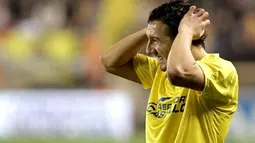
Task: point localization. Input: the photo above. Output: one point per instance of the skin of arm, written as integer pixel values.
(118, 60)
(182, 69)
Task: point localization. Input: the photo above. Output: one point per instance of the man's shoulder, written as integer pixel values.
(227, 66)
(144, 59)
(214, 60)
(218, 68)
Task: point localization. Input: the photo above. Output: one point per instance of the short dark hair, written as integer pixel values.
(171, 14)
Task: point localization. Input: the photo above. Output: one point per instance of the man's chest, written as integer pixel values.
(161, 104)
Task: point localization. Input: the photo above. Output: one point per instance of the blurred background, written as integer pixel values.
(53, 88)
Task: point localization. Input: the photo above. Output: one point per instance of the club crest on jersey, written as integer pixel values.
(167, 105)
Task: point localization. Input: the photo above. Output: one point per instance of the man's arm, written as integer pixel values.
(118, 60)
(182, 69)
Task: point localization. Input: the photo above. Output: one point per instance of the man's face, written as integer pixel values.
(159, 43)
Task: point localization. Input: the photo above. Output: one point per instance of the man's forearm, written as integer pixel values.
(124, 50)
(180, 58)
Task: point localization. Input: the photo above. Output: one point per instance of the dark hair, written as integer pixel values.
(171, 13)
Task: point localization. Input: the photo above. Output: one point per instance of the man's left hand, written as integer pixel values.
(194, 22)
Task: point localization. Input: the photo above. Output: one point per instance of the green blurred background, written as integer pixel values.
(55, 44)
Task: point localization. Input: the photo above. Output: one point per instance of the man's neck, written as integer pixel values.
(198, 52)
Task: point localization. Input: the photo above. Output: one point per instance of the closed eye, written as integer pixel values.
(154, 40)
(153, 37)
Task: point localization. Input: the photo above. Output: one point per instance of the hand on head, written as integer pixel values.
(195, 21)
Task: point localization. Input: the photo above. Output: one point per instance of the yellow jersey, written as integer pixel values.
(181, 115)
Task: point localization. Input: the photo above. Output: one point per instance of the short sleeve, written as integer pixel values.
(221, 81)
(145, 68)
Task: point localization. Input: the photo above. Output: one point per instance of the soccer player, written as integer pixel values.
(194, 94)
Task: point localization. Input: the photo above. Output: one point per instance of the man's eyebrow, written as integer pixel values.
(155, 37)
